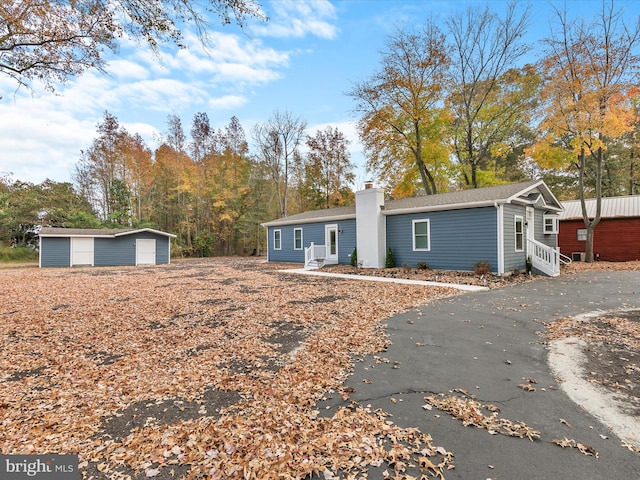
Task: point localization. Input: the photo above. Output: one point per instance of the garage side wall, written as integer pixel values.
(615, 240)
(55, 252)
(111, 252)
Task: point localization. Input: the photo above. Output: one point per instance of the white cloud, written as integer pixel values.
(293, 18)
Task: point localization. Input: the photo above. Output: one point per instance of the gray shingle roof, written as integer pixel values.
(315, 216)
(461, 199)
(612, 207)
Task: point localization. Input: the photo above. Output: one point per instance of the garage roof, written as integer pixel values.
(96, 232)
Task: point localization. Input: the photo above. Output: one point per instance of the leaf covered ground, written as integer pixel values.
(202, 368)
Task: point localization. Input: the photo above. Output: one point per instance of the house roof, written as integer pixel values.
(612, 207)
(338, 213)
(96, 232)
(533, 191)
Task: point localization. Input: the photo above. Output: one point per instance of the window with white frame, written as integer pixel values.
(277, 240)
(581, 234)
(421, 235)
(297, 239)
(550, 223)
(519, 233)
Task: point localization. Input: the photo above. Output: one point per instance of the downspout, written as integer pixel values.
(500, 222)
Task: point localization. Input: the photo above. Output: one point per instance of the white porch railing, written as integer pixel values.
(314, 255)
(544, 258)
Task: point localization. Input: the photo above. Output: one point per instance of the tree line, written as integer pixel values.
(205, 186)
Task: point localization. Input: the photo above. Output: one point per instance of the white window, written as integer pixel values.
(297, 239)
(277, 240)
(519, 233)
(550, 223)
(421, 235)
(581, 234)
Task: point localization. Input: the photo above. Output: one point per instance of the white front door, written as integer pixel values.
(531, 223)
(145, 251)
(331, 242)
(81, 251)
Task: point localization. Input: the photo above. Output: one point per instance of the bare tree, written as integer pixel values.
(278, 141)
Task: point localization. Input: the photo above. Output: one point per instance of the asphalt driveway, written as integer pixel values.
(487, 345)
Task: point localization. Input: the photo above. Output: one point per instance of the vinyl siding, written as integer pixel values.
(311, 232)
(514, 260)
(459, 238)
(122, 250)
(55, 252)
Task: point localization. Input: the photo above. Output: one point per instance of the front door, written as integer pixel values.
(331, 242)
(531, 223)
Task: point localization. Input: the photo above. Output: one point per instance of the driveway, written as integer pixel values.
(487, 347)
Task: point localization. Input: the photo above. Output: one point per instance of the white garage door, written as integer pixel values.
(145, 251)
(81, 251)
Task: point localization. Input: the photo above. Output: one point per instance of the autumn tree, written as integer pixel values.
(400, 106)
(328, 166)
(55, 40)
(490, 99)
(278, 142)
(101, 164)
(590, 69)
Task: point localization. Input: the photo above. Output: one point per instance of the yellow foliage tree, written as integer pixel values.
(589, 69)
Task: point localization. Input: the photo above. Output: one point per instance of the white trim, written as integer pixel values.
(413, 234)
(438, 208)
(515, 233)
(140, 230)
(327, 236)
(500, 222)
(301, 247)
(283, 222)
(555, 220)
(580, 231)
(279, 239)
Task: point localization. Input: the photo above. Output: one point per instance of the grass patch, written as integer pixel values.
(17, 254)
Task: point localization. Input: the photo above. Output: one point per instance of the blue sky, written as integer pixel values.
(303, 61)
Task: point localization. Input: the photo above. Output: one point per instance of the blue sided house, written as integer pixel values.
(70, 247)
(504, 225)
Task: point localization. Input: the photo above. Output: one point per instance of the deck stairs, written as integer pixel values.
(315, 257)
(544, 258)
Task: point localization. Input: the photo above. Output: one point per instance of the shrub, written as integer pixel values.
(406, 268)
(482, 267)
(389, 261)
(354, 257)
(423, 266)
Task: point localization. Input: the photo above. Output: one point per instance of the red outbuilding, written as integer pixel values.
(617, 236)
